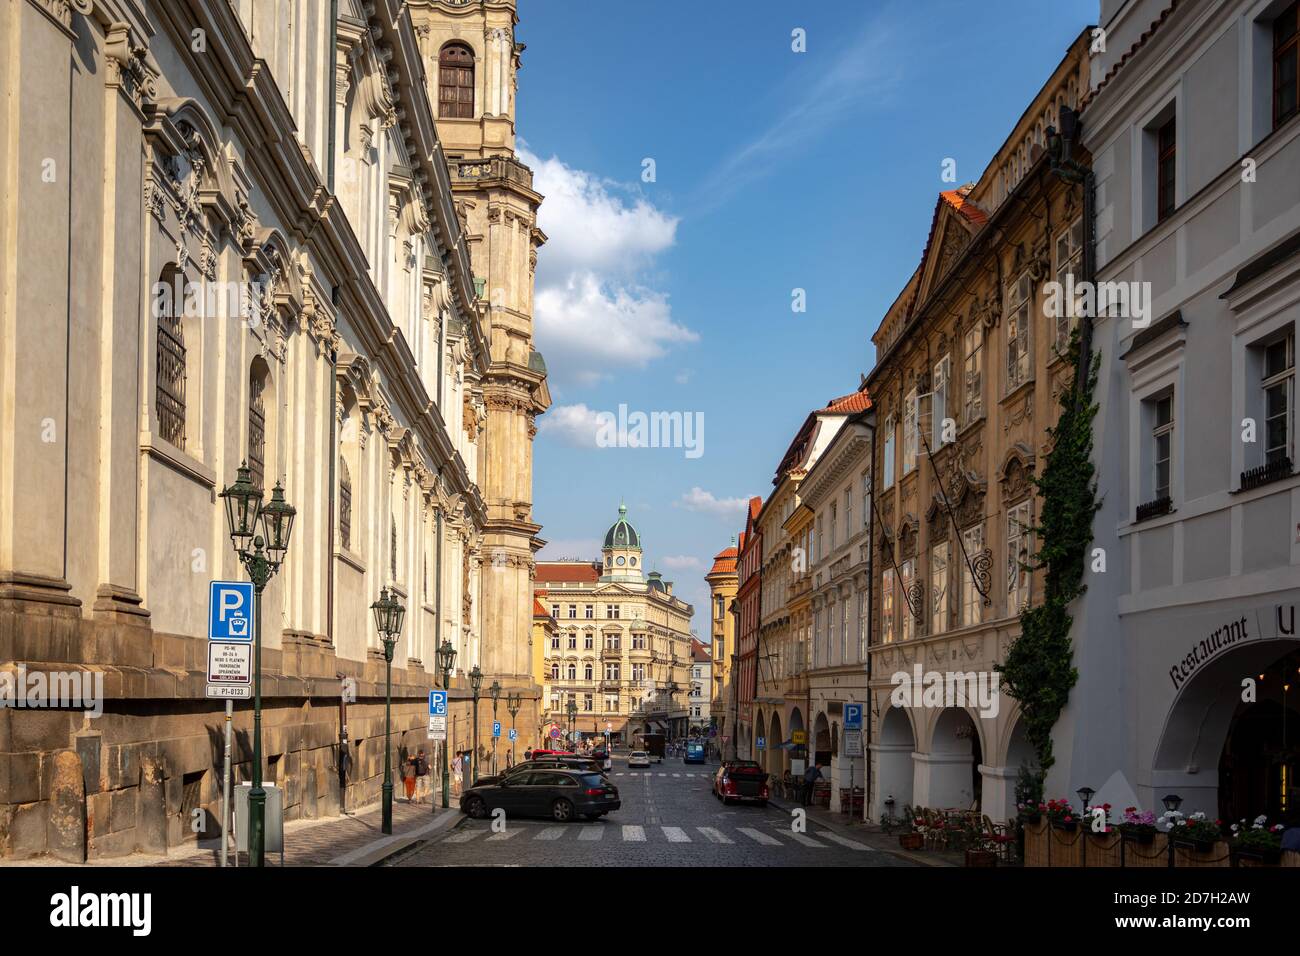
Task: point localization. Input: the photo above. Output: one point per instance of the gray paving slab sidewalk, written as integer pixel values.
(872, 835)
(354, 839)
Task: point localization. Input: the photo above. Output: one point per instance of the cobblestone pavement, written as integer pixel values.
(669, 817)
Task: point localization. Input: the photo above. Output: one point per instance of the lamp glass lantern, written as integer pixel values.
(1085, 795)
(277, 524)
(446, 660)
(243, 506)
(1172, 802)
(476, 681)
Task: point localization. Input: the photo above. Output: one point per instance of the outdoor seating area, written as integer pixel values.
(984, 842)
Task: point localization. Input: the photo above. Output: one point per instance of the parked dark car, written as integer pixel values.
(742, 780)
(561, 795)
(545, 762)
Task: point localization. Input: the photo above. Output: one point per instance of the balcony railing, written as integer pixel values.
(1153, 509)
(611, 653)
(1273, 471)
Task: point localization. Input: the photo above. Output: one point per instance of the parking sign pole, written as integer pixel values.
(257, 796)
(225, 786)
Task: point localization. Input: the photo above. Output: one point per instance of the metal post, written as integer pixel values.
(386, 825)
(494, 735)
(446, 776)
(473, 755)
(257, 796)
(225, 786)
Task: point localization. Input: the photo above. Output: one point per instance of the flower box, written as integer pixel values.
(911, 841)
(1200, 846)
(982, 858)
(1069, 826)
(1265, 855)
(1137, 834)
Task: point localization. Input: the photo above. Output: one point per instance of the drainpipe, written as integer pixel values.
(871, 612)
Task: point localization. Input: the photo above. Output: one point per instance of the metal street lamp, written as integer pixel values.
(495, 693)
(389, 615)
(513, 703)
(573, 717)
(446, 658)
(245, 515)
(671, 689)
(475, 682)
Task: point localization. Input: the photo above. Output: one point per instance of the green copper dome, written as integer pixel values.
(621, 534)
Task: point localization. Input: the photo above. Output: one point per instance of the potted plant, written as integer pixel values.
(1258, 841)
(981, 850)
(1197, 832)
(1061, 815)
(913, 838)
(1139, 825)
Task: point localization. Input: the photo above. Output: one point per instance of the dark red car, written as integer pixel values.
(742, 780)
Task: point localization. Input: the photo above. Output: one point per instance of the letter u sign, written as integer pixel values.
(1286, 619)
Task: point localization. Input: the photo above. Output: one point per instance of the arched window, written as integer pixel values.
(586, 672)
(456, 82)
(345, 504)
(555, 672)
(257, 380)
(169, 398)
(573, 672)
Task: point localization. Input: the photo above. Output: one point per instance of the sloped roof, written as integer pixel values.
(568, 571)
(724, 562)
(699, 652)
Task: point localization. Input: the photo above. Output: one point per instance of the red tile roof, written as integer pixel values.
(568, 571)
(724, 562)
(969, 211)
(699, 652)
(539, 610)
(852, 403)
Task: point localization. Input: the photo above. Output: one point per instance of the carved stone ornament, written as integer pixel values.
(1015, 479)
(907, 539)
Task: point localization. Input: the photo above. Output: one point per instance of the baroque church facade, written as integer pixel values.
(353, 242)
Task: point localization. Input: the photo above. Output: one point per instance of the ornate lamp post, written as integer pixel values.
(446, 658)
(573, 716)
(513, 702)
(475, 682)
(671, 689)
(389, 615)
(245, 513)
(495, 693)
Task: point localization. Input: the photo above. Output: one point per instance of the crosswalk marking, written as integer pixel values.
(633, 834)
(715, 835)
(591, 834)
(843, 841)
(805, 839)
(758, 836)
(676, 835)
(504, 835)
(663, 774)
(551, 833)
(677, 775)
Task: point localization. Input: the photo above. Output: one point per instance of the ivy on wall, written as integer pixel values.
(1039, 670)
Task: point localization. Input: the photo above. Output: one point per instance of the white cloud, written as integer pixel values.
(572, 424)
(697, 499)
(594, 312)
(681, 562)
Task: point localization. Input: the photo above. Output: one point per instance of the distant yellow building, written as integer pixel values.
(722, 580)
(545, 630)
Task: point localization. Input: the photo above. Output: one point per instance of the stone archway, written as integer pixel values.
(1253, 744)
(820, 742)
(895, 774)
(948, 773)
(775, 753)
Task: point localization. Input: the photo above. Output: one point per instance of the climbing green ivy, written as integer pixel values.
(1038, 671)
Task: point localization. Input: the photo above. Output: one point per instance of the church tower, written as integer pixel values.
(471, 60)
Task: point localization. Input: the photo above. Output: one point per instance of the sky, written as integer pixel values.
(702, 177)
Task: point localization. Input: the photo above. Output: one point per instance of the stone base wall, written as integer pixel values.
(146, 774)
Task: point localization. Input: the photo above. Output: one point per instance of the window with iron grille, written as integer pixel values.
(257, 427)
(1286, 80)
(456, 82)
(170, 389)
(345, 505)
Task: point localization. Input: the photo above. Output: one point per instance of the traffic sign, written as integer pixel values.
(853, 743)
(852, 716)
(438, 702)
(437, 727)
(799, 737)
(230, 662)
(230, 611)
(496, 728)
(762, 743)
(555, 733)
(514, 735)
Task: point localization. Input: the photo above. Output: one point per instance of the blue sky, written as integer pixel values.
(773, 170)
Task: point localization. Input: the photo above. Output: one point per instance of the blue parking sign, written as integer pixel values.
(513, 734)
(496, 728)
(762, 743)
(230, 611)
(438, 703)
(852, 716)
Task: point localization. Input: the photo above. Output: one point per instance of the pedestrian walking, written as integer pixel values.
(456, 765)
(528, 754)
(510, 759)
(408, 778)
(810, 778)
